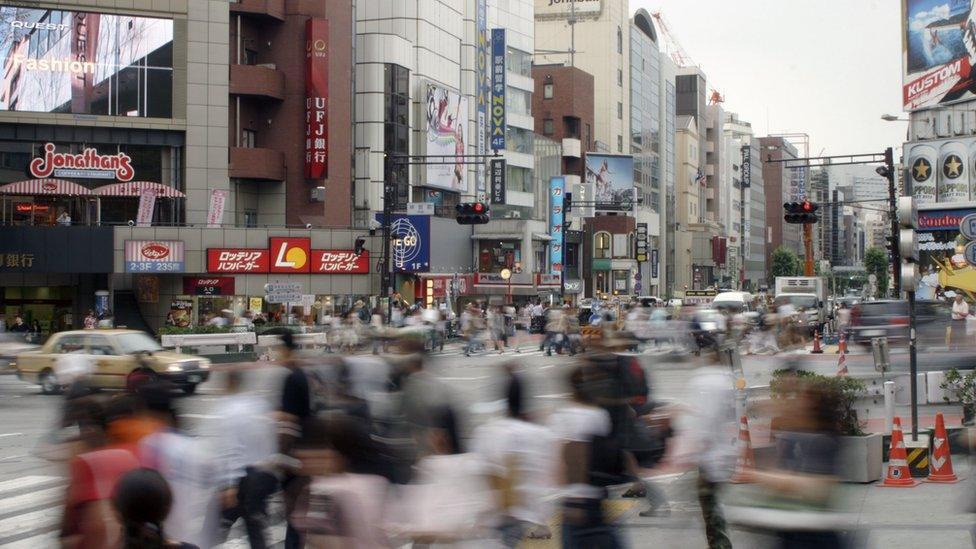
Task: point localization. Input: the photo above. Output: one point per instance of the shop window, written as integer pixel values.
(621, 282)
(249, 139)
(601, 245)
(547, 91)
(494, 255)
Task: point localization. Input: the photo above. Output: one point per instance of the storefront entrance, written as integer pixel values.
(50, 306)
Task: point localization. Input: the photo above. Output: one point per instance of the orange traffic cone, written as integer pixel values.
(842, 365)
(747, 460)
(898, 475)
(842, 344)
(816, 344)
(940, 467)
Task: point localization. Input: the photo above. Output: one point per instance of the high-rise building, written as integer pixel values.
(782, 185)
(750, 205)
(600, 41)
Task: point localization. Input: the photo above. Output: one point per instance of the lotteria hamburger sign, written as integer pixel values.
(88, 164)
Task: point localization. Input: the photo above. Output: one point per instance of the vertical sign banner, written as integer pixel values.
(497, 140)
(557, 191)
(641, 242)
(147, 205)
(316, 98)
(497, 180)
(483, 84)
(654, 263)
(215, 213)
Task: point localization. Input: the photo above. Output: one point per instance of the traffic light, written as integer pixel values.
(473, 213)
(568, 203)
(801, 212)
(360, 245)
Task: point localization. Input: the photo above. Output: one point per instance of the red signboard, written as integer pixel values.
(214, 285)
(316, 98)
(440, 284)
(237, 260)
(290, 255)
(340, 262)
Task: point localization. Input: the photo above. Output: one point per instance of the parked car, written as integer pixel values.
(889, 318)
(11, 345)
(116, 358)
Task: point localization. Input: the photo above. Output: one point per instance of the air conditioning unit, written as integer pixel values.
(318, 194)
(514, 214)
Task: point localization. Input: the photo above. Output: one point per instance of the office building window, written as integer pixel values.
(621, 246)
(620, 144)
(547, 90)
(620, 41)
(620, 77)
(620, 110)
(547, 128)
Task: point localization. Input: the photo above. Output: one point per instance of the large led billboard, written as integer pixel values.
(85, 63)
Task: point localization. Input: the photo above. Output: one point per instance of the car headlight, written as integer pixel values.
(174, 368)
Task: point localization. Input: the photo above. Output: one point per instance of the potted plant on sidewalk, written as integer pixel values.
(861, 453)
(962, 387)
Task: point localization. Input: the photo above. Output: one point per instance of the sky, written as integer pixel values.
(828, 68)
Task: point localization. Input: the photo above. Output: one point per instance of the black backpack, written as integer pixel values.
(607, 464)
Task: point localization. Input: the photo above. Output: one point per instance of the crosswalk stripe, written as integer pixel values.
(31, 500)
(33, 521)
(22, 483)
(49, 539)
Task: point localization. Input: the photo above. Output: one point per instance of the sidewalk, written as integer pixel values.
(889, 518)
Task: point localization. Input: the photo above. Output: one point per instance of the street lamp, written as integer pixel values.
(892, 118)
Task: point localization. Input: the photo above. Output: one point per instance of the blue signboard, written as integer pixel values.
(409, 243)
(497, 138)
(557, 192)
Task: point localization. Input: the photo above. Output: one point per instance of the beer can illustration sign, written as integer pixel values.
(922, 164)
(953, 173)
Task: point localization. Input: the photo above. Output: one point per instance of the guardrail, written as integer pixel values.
(315, 340)
(178, 341)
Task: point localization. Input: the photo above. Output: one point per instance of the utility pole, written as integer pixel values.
(389, 196)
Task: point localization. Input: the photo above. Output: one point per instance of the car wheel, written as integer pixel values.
(49, 383)
(190, 389)
(139, 377)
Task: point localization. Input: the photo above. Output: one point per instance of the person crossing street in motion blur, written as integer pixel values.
(142, 501)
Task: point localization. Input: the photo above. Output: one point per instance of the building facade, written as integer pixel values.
(781, 186)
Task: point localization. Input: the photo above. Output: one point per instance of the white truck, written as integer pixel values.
(807, 295)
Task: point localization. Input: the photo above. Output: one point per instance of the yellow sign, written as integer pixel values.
(255, 304)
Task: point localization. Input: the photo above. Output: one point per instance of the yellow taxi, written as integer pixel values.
(114, 359)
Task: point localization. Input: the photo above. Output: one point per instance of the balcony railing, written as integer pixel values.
(274, 9)
(257, 81)
(254, 163)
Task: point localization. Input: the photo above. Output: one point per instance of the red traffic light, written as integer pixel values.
(478, 207)
(807, 206)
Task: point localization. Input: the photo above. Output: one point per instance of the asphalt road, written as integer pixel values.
(31, 486)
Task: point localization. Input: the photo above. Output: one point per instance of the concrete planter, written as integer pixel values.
(860, 458)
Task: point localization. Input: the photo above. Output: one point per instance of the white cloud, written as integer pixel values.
(923, 18)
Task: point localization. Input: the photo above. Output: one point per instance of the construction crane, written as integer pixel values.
(677, 53)
(671, 45)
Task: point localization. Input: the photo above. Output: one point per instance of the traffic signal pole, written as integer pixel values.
(807, 249)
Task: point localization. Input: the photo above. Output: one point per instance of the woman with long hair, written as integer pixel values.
(142, 500)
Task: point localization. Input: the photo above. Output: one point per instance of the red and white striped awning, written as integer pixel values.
(57, 187)
(136, 188)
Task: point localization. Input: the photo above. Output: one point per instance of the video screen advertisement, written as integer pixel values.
(939, 52)
(85, 63)
(612, 180)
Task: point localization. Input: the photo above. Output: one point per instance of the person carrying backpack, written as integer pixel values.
(588, 460)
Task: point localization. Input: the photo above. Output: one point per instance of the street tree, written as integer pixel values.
(785, 263)
(876, 263)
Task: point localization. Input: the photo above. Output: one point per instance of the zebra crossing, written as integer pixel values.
(31, 508)
(458, 350)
